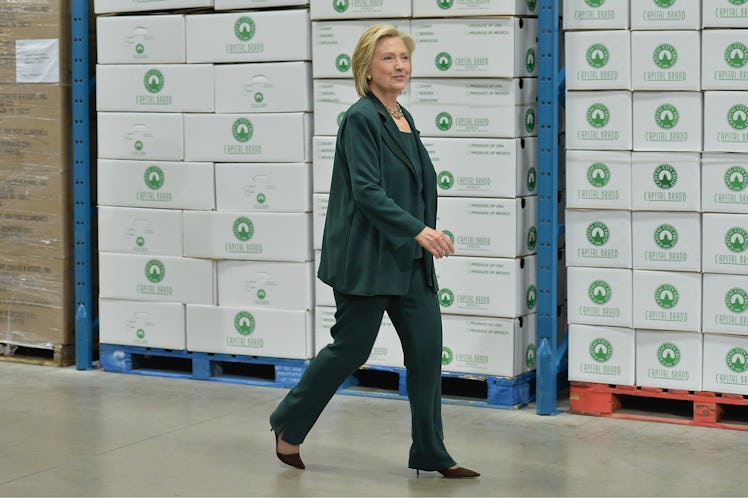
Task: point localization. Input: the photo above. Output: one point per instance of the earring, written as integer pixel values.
(368, 76)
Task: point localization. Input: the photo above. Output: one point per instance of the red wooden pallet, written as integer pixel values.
(608, 401)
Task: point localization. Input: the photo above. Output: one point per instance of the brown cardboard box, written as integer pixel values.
(24, 20)
(48, 235)
(30, 324)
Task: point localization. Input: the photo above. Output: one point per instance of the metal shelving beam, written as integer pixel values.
(81, 185)
(550, 353)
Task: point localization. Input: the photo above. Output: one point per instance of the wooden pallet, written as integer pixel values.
(673, 406)
(54, 355)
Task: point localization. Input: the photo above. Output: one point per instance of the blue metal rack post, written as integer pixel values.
(550, 353)
(81, 185)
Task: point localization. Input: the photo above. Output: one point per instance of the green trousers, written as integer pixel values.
(417, 320)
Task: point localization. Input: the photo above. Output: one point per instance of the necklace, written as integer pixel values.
(397, 112)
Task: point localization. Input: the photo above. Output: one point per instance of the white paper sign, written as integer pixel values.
(38, 61)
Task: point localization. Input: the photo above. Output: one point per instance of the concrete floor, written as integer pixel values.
(65, 432)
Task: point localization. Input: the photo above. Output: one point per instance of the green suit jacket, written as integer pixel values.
(373, 215)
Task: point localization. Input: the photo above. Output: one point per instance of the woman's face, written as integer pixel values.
(390, 66)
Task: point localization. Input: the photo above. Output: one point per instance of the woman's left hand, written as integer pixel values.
(435, 242)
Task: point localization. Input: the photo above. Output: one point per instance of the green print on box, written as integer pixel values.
(601, 350)
(444, 121)
(139, 49)
(532, 297)
(598, 233)
(261, 294)
(599, 292)
(597, 55)
(665, 56)
(445, 4)
(140, 334)
(530, 355)
(666, 296)
(665, 176)
(531, 179)
(154, 177)
(736, 178)
(666, 236)
(736, 55)
(665, 4)
(343, 63)
(243, 228)
(531, 4)
(446, 298)
(530, 120)
(138, 145)
(594, 3)
(737, 117)
(450, 235)
(244, 323)
(244, 28)
(443, 61)
(598, 115)
(667, 116)
(736, 300)
(736, 359)
(738, 2)
(155, 271)
(530, 60)
(598, 175)
(340, 118)
(446, 180)
(140, 242)
(532, 238)
(261, 198)
(736, 239)
(668, 354)
(340, 5)
(447, 356)
(153, 81)
(259, 97)
(242, 130)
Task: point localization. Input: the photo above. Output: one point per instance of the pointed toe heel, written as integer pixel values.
(293, 459)
(458, 473)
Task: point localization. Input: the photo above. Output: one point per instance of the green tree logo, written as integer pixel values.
(598, 175)
(665, 176)
(244, 323)
(340, 117)
(598, 115)
(736, 239)
(140, 242)
(154, 177)
(243, 228)
(668, 354)
(444, 121)
(666, 236)
(736, 178)
(242, 130)
(737, 117)
(665, 4)
(340, 5)
(601, 350)
(738, 2)
(666, 116)
(532, 238)
(446, 180)
(261, 294)
(597, 55)
(666, 296)
(447, 356)
(244, 28)
(736, 359)
(531, 4)
(343, 63)
(532, 297)
(155, 271)
(736, 300)
(138, 145)
(599, 292)
(261, 198)
(446, 298)
(139, 49)
(594, 3)
(532, 178)
(259, 97)
(530, 59)
(735, 55)
(665, 56)
(598, 233)
(450, 235)
(140, 334)
(153, 81)
(530, 355)
(443, 61)
(530, 120)
(445, 4)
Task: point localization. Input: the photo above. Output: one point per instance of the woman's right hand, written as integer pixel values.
(435, 242)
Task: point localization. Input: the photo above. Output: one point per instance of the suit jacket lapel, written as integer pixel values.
(391, 135)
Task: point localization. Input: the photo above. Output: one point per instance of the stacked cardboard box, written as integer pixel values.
(36, 291)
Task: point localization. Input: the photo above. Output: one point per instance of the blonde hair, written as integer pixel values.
(364, 52)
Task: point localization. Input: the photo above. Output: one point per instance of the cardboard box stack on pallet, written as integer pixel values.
(36, 285)
(655, 152)
(474, 106)
(218, 141)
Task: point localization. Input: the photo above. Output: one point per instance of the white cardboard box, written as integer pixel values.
(725, 358)
(725, 304)
(332, 98)
(142, 324)
(501, 228)
(600, 120)
(598, 238)
(470, 48)
(596, 14)
(474, 108)
(599, 296)
(458, 8)
(256, 4)
(668, 121)
(172, 185)
(319, 214)
(724, 14)
(323, 153)
(726, 121)
(666, 300)
(264, 87)
(667, 14)
(140, 231)
(151, 39)
(725, 243)
(274, 285)
(487, 286)
(598, 60)
(665, 181)
(345, 9)
(249, 36)
(605, 355)
(666, 60)
(156, 278)
(264, 187)
(323, 293)
(670, 360)
(233, 138)
(472, 167)
(724, 55)
(250, 331)
(723, 183)
(106, 6)
(333, 43)
(598, 179)
(666, 241)
(248, 236)
(155, 88)
(142, 136)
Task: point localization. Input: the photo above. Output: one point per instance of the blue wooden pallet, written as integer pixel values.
(495, 392)
(252, 370)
